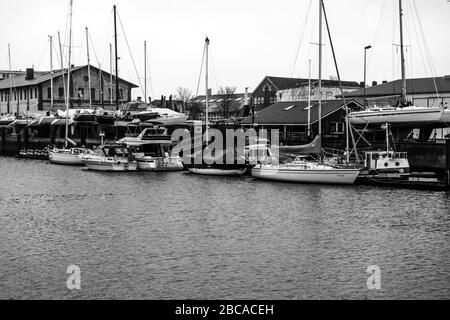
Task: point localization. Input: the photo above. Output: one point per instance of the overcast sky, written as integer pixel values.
(249, 38)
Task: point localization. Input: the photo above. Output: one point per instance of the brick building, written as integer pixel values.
(30, 91)
(276, 89)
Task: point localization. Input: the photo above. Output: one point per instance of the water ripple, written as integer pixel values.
(182, 236)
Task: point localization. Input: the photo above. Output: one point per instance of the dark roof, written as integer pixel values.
(294, 113)
(413, 86)
(282, 83)
(43, 76)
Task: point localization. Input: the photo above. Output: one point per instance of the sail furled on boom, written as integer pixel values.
(315, 147)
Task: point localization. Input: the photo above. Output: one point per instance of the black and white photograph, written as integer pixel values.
(247, 151)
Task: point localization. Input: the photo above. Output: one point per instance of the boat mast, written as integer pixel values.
(89, 68)
(348, 132)
(62, 65)
(111, 74)
(207, 91)
(403, 98)
(10, 78)
(145, 71)
(117, 59)
(102, 86)
(387, 137)
(68, 76)
(320, 68)
(51, 72)
(309, 98)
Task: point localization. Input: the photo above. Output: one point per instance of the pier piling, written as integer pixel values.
(19, 143)
(26, 137)
(2, 146)
(447, 158)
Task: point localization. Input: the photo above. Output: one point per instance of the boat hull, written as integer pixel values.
(419, 116)
(156, 165)
(332, 176)
(168, 121)
(116, 166)
(217, 171)
(64, 158)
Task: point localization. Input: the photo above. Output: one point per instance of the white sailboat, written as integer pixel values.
(214, 165)
(66, 155)
(301, 170)
(403, 113)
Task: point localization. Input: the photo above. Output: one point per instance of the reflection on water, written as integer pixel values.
(182, 236)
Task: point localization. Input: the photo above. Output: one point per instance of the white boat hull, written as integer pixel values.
(168, 121)
(217, 172)
(116, 166)
(155, 165)
(64, 158)
(330, 176)
(416, 115)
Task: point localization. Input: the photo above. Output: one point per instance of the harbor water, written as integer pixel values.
(182, 236)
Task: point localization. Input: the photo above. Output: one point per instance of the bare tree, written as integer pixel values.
(184, 95)
(226, 102)
(194, 108)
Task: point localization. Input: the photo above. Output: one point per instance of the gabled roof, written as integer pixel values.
(295, 113)
(43, 76)
(413, 86)
(283, 83)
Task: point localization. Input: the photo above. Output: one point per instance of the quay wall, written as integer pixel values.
(427, 156)
(447, 171)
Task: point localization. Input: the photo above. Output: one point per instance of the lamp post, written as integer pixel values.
(365, 73)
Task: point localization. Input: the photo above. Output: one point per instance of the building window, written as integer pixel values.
(92, 93)
(121, 94)
(25, 94)
(20, 94)
(110, 93)
(49, 93)
(36, 93)
(61, 92)
(80, 92)
(31, 94)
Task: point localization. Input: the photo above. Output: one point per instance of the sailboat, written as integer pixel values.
(403, 112)
(66, 155)
(302, 170)
(214, 164)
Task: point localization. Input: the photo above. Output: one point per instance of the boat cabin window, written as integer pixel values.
(151, 150)
(112, 152)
